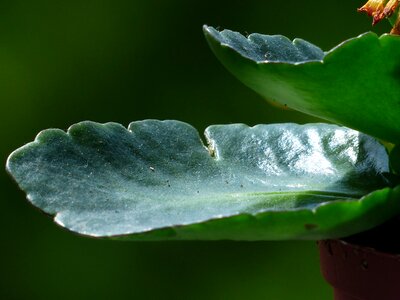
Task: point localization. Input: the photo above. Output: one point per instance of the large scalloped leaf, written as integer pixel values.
(157, 180)
(356, 84)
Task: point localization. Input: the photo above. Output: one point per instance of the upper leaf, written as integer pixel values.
(356, 84)
(157, 180)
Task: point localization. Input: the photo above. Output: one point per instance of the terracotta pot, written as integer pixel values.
(359, 272)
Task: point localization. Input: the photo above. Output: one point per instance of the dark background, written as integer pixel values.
(66, 61)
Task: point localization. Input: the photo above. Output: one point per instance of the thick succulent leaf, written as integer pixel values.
(157, 180)
(356, 84)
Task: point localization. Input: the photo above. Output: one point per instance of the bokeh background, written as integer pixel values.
(123, 60)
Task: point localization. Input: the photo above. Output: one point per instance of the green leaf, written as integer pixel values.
(356, 84)
(157, 180)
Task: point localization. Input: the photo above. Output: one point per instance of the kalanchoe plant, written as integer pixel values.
(157, 180)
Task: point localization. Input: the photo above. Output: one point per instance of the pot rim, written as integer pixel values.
(359, 271)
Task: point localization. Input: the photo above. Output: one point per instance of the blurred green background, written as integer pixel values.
(66, 61)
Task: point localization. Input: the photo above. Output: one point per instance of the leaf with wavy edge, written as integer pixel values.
(356, 84)
(157, 180)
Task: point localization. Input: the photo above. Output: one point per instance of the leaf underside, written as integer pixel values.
(157, 180)
(356, 84)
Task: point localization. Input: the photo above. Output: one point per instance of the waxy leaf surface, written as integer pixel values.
(356, 84)
(157, 180)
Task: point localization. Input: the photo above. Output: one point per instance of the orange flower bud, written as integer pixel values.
(374, 8)
(390, 8)
(381, 9)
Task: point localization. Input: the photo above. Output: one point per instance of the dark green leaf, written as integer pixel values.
(157, 180)
(356, 84)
